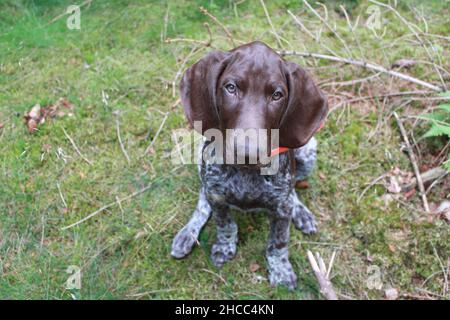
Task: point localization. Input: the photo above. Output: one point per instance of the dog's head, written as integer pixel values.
(252, 87)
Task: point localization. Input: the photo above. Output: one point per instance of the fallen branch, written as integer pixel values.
(76, 148)
(201, 42)
(227, 32)
(117, 202)
(156, 135)
(427, 176)
(408, 24)
(173, 40)
(363, 64)
(270, 23)
(322, 275)
(309, 33)
(324, 21)
(385, 95)
(370, 185)
(413, 160)
(122, 147)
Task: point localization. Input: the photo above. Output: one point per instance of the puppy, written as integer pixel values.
(252, 87)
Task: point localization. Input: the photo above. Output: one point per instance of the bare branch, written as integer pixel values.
(270, 23)
(117, 202)
(365, 65)
(413, 159)
(76, 148)
(321, 272)
(408, 24)
(225, 29)
(329, 27)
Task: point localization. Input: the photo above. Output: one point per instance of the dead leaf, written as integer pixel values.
(403, 63)
(140, 234)
(410, 193)
(322, 176)
(393, 185)
(254, 267)
(151, 151)
(33, 118)
(391, 248)
(444, 210)
(391, 294)
(37, 115)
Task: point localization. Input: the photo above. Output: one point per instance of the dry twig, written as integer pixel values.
(309, 33)
(427, 176)
(117, 202)
(413, 160)
(157, 134)
(76, 148)
(321, 273)
(122, 147)
(363, 64)
(329, 27)
(227, 32)
(408, 24)
(271, 24)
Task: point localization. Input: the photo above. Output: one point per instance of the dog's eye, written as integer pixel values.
(231, 88)
(277, 95)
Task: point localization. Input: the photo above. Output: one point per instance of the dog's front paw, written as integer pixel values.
(304, 220)
(222, 252)
(281, 272)
(183, 243)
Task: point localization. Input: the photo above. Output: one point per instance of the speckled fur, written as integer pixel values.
(226, 187)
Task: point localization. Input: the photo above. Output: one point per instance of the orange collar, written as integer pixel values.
(278, 150)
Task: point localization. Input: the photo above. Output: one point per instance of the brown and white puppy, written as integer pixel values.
(252, 87)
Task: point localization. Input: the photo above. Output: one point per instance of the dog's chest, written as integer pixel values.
(244, 188)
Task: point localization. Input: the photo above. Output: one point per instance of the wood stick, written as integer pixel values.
(270, 23)
(117, 202)
(156, 135)
(76, 148)
(413, 160)
(363, 64)
(312, 35)
(321, 274)
(384, 95)
(426, 176)
(227, 32)
(122, 147)
(408, 24)
(328, 26)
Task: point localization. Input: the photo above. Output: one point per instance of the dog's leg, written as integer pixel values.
(280, 269)
(305, 158)
(225, 247)
(302, 218)
(187, 237)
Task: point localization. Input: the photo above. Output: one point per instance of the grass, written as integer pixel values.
(125, 252)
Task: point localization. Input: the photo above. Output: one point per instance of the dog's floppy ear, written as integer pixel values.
(198, 90)
(306, 110)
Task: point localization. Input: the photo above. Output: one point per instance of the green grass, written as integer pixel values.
(125, 252)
